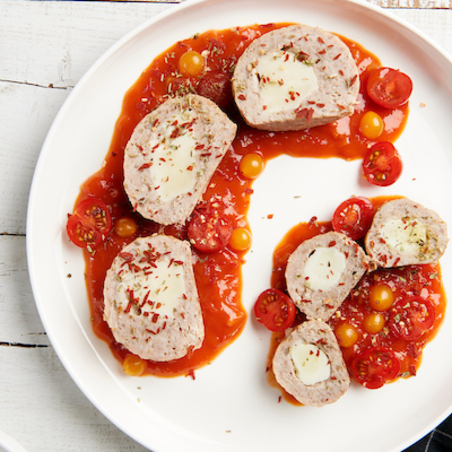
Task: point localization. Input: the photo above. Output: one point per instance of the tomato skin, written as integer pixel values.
(382, 165)
(275, 310)
(375, 366)
(411, 317)
(216, 87)
(209, 231)
(388, 87)
(90, 223)
(353, 217)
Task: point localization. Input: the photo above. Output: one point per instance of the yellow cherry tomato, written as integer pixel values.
(381, 297)
(240, 239)
(374, 322)
(251, 165)
(371, 125)
(133, 365)
(191, 63)
(346, 334)
(125, 227)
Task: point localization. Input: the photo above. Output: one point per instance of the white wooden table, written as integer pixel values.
(45, 47)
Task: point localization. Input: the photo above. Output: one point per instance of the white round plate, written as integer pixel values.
(229, 406)
(8, 444)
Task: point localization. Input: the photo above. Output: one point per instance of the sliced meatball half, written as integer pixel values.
(404, 232)
(309, 365)
(322, 271)
(151, 302)
(295, 78)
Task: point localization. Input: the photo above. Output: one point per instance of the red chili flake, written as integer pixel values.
(332, 243)
(320, 105)
(270, 216)
(322, 52)
(144, 166)
(264, 107)
(206, 154)
(241, 97)
(162, 159)
(249, 191)
(190, 168)
(353, 80)
(155, 317)
(126, 256)
(320, 40)
(396, 262)
(305, 113)
(337, 56)
(341, 72)
(199, 146)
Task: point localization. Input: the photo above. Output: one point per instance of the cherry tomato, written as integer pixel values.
(126, 227)
(240, 239)
(346, 334)
(217, 88)
(381, 297)
(251, 165)
(90, 223)
(209, 230)
(191, 63)
(374, 322)
(353, 217)
(275, 310)
(133, 365)
(388, 87)
(375, 366)
(371, 125)
(382, 164)
(411, 317)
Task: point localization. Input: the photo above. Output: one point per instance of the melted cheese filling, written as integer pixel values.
(174, 169)
(284, 81)
(311, 364)
(406, 237)
(158, 290)
(323, 268)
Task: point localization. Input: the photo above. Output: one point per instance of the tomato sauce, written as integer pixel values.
(416, 280)
(218, 275)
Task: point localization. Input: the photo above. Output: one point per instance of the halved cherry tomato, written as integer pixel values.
(275, 310)
(217, 88)
(353, 217)
(375, 366)
(388, 87)
(382, 164)
(209, 230)
(90, 223)
(411, 317)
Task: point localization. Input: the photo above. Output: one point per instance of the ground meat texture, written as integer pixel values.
(308, 364)
(172, 155)
(151, 302)
(322, 271)
(295, 78)
(404, 232)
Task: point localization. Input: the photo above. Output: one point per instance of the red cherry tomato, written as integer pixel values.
(209, 230)
(388, 87)
(275, 310)
(217, 88)
(353, 217)
(90, 223)
(375, 366)
(382, 165)
(411, 317)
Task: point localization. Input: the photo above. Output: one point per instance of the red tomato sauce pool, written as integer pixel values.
(359, 324)
(218, 275)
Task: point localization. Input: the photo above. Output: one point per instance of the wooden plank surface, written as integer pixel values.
(39, 404)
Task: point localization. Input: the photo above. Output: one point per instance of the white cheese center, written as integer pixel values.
(311, 364)
(174, 169)
(407, 237)
(284, 81)
(157, 289)
(323, 268)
